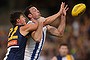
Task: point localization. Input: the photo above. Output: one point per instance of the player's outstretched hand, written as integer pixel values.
(61, 8)
(65, 10)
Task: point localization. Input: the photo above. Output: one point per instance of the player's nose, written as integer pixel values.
(38, 11)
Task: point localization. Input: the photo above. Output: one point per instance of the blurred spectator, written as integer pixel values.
(63, 53)
(75, 26)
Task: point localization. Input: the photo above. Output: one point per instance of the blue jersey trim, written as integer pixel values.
(36, 48)
(41, 46)
(34, 51)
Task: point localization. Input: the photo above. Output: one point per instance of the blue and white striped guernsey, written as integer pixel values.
(33, 49)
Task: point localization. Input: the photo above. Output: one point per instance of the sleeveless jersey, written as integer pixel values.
(33, 48)
(16, 45)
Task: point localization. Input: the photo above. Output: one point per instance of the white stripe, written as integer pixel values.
(44, 31)
(64, 58)
(8, 51)
(29, 22)
(38, 50)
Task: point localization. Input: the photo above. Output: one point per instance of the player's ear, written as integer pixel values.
(17, 20)
(30, 15)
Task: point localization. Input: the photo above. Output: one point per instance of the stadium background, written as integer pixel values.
(77, 32)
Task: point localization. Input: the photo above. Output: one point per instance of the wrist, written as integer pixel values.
(60, 13)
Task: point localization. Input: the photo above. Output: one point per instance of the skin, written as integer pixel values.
(24, 30)
(35, 14)
(63, 50)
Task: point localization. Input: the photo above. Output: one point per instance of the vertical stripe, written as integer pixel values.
(34, 51)
(8, 51)
(41, 46)
(37, 50)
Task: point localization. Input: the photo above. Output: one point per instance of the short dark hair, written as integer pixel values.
(14, 16)
(64, 44)
(27, 12)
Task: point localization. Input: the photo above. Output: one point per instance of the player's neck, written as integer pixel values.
(19, 24)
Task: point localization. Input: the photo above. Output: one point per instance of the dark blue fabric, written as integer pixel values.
(18, 53)
(59, 57)
(34, 51)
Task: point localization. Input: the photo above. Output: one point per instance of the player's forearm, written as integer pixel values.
(38, 33)
(53, 30)
(29, 27)
(52, 18)
(61, 27)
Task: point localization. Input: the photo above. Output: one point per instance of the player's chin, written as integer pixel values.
(24, 23)
(38, 17)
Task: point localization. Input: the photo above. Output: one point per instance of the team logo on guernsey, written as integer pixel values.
(12, 42)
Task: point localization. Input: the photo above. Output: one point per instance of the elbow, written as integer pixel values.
(61, 33)
(37, 39)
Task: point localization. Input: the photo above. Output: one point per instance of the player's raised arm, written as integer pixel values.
(50, 19)
(60, 30)
(61, 27)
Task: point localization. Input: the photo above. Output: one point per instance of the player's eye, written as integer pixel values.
(34, 10)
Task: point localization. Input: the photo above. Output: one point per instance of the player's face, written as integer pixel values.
(35, 12)
(63, 50)
(22, 20)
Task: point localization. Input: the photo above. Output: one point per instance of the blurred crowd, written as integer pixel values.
(3, 41)
(77, 36)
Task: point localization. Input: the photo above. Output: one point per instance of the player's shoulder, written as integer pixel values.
(54, 58)
(29, 22)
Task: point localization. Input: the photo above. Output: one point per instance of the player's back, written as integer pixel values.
(16, 44)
